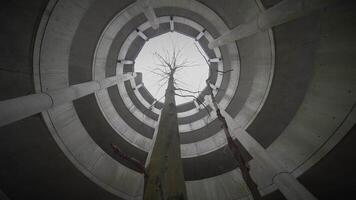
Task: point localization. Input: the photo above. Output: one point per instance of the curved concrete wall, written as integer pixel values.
(32, 165)
(64, 119)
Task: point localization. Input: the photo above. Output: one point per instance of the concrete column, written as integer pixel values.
(138, 86)
(289, 186)
(141, 34)
(149, 13)
(126, 62)
(171, 24)
(283, 12)
(200, 35)
(22, 107)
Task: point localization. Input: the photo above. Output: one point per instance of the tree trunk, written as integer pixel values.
(165, 179)
(236, 150)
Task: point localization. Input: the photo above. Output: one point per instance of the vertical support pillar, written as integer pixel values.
(171, 24)
(141, 34)
(200, 35)
(289, 186)
(283, 12)
(149, 13)
(18, 108)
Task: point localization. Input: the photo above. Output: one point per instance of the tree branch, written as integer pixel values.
(193, 92)
(195, 98)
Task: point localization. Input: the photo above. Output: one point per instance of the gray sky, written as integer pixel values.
(192, 77)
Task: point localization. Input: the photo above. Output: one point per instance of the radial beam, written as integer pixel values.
(149, 13)
(200, 35)
(136, 87)
(283, 12)
(171, 23)
(197, 106)
(289, 186)
(141, 34)
(215, 60)
(21, 107)
(126, 62)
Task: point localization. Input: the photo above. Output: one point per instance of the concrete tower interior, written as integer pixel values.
(69, 90)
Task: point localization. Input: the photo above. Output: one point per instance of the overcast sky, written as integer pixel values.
(192, 78)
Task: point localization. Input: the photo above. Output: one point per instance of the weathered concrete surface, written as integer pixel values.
(280, 13)
(63, 121)
(293, 71)
(32, 166)
(18, 29)
(22, 107)
(327, 111)
(341, 161)
(149, 13)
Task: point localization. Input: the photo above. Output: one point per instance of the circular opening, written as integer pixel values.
(189, 80)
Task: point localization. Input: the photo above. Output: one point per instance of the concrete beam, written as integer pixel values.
(141, 34)
(149, 13)
(215, 60)
(22, 107)
(126, 62)
(197, 106)
(137, 86)
(200, 35)
(289, 186)
(283, 12)
(171, 24)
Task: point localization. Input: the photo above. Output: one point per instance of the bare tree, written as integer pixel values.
(234, 147)
(164, 177)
